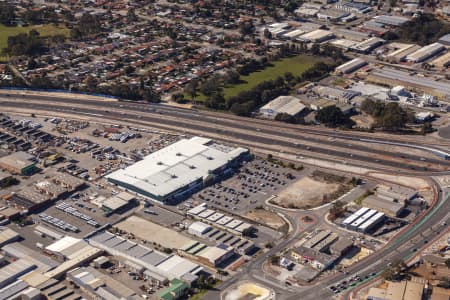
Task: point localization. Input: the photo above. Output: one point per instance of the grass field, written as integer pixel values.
(296, 65)
(44, 30)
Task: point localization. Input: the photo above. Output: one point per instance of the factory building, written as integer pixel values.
(117, 203)
(98, 285)
(176, 290)
(316, 36)
(20, 163)
(334, 94)
(442, 62)
(199, 228)
(365, 47)
(425, 53)
(5, 179)
(349, 34)
(351, 66)
(445, 40)
(364, 219)
(158, 266)
(283, 104)
(333, 15)
(318, 260)
(173, 173)
(353, 7)
(43, 192)
(216, 256)
(390, 208)
(14, 270)
(401, 52)
(292, 35)
(392, 21)
(391, 77)
(209, 216)
(396, 195)
(7, 236)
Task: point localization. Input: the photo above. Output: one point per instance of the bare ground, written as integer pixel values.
(268, 218)
(306, 193)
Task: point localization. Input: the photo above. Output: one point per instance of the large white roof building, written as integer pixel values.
(179, 169)
(283, 104)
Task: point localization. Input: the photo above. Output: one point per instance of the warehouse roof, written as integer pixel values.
(445, 39)
(4, 175)
(153, 232)
(426, 52)
(442, 61)
(242, 227)
(396, 75)
(351, 65)
(395, 290)
(19, 159)
(20, 251)
(8, 235)
(413, 291)
(316, 35)
(391, 20)
(175, 166)
(48, 232)
(284, 104)
(381, 204)
(11, 291)
(63, 244)
(213, 254)
(198, 209)
(199, 227)
(14, 270)
(177, 266)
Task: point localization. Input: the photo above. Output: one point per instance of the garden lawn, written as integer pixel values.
(44, 30)
(296, 65)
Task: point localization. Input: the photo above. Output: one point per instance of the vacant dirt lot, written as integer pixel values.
(306, 193)
(267, 218)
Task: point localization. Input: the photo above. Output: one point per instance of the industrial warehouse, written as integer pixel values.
(173, 173)
(282, 105)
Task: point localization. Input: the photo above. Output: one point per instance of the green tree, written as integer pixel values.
(25, 44)
(178, 98)
(424, 29)
(191, 88)
(215, 101)
(210, 86)
(315, 49)
(275, 260)
(331, 116)
(232, 77)
(427, 127)
(337, 209)
(7, 13)
(394, 117)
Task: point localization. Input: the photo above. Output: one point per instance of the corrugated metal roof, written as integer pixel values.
(173, 167)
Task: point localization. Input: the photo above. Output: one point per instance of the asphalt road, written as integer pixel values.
(402, 247)
(300, 140)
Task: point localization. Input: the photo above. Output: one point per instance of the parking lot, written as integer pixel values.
(254, 183)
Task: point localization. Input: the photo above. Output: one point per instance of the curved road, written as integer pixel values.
(267, 133)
